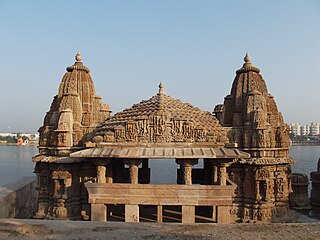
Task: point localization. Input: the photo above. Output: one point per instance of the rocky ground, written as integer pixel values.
(49, 229)
(303, 225)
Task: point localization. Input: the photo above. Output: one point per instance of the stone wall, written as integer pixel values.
(19, 199)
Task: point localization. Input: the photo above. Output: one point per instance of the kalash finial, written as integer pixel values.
(78, 57)
(161, 88)
(247, 58)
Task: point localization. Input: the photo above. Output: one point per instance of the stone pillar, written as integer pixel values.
(299, 197)
(98, 212)
(188, 214)
(223, 214)
(43, 173)
(101, 173)
(215, 174)
(132, 213)
(159, 214)
(186, 169)
(223, 174)
(104, 170)
(133, 169)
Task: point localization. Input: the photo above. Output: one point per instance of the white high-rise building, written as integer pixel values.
(295, 128)
(305, 130)
(315, 128)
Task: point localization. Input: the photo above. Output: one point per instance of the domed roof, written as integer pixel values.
(162, 119)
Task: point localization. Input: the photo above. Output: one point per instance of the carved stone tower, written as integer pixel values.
(256, 126)
(68, 126)
(74, 113)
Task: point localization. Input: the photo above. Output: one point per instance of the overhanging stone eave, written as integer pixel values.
(161, 152)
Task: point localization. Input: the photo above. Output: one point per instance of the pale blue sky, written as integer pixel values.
(194, 47)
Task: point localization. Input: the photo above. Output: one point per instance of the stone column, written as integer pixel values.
(223, 174)
(98, 212)
(104, 170)
(133, 169)
(188, 214)
(101, 173)
(186, 169)
(223, 215)
(131, 213)
(43, 174)
(215, 174)
(159, 214)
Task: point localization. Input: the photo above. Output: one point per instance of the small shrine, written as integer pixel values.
(95, 166)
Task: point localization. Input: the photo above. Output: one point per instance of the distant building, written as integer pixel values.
(31, 136)
(315, 128)
(8, 135)
(305, 130)
(295, 128)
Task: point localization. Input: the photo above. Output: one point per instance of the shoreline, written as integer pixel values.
(14, 144)
(305, 144)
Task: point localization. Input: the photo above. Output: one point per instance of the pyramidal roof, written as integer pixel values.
(161, 119)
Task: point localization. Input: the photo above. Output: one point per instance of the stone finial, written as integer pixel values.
(161, 88)
(78, 57)
(247, 58)
(247, 66)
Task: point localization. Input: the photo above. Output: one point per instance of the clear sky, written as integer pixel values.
(193, 47)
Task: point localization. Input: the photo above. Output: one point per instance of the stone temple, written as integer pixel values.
(95, 166)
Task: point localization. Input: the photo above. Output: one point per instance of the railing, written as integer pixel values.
(133, 195)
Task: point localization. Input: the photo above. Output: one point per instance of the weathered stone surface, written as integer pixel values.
(299, 197)
(18, 199)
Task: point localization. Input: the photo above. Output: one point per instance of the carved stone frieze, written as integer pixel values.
(162, 119)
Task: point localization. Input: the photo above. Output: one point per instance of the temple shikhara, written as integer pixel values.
(95, 166)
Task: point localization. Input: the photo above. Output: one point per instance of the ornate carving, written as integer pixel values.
(163, 119)
(120, 133)
(76, 92)
(262, 174)
(131, 131)
(200, 134)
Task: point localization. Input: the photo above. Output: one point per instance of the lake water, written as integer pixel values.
(15, 162)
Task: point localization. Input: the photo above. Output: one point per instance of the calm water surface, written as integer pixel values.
(15, 162)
